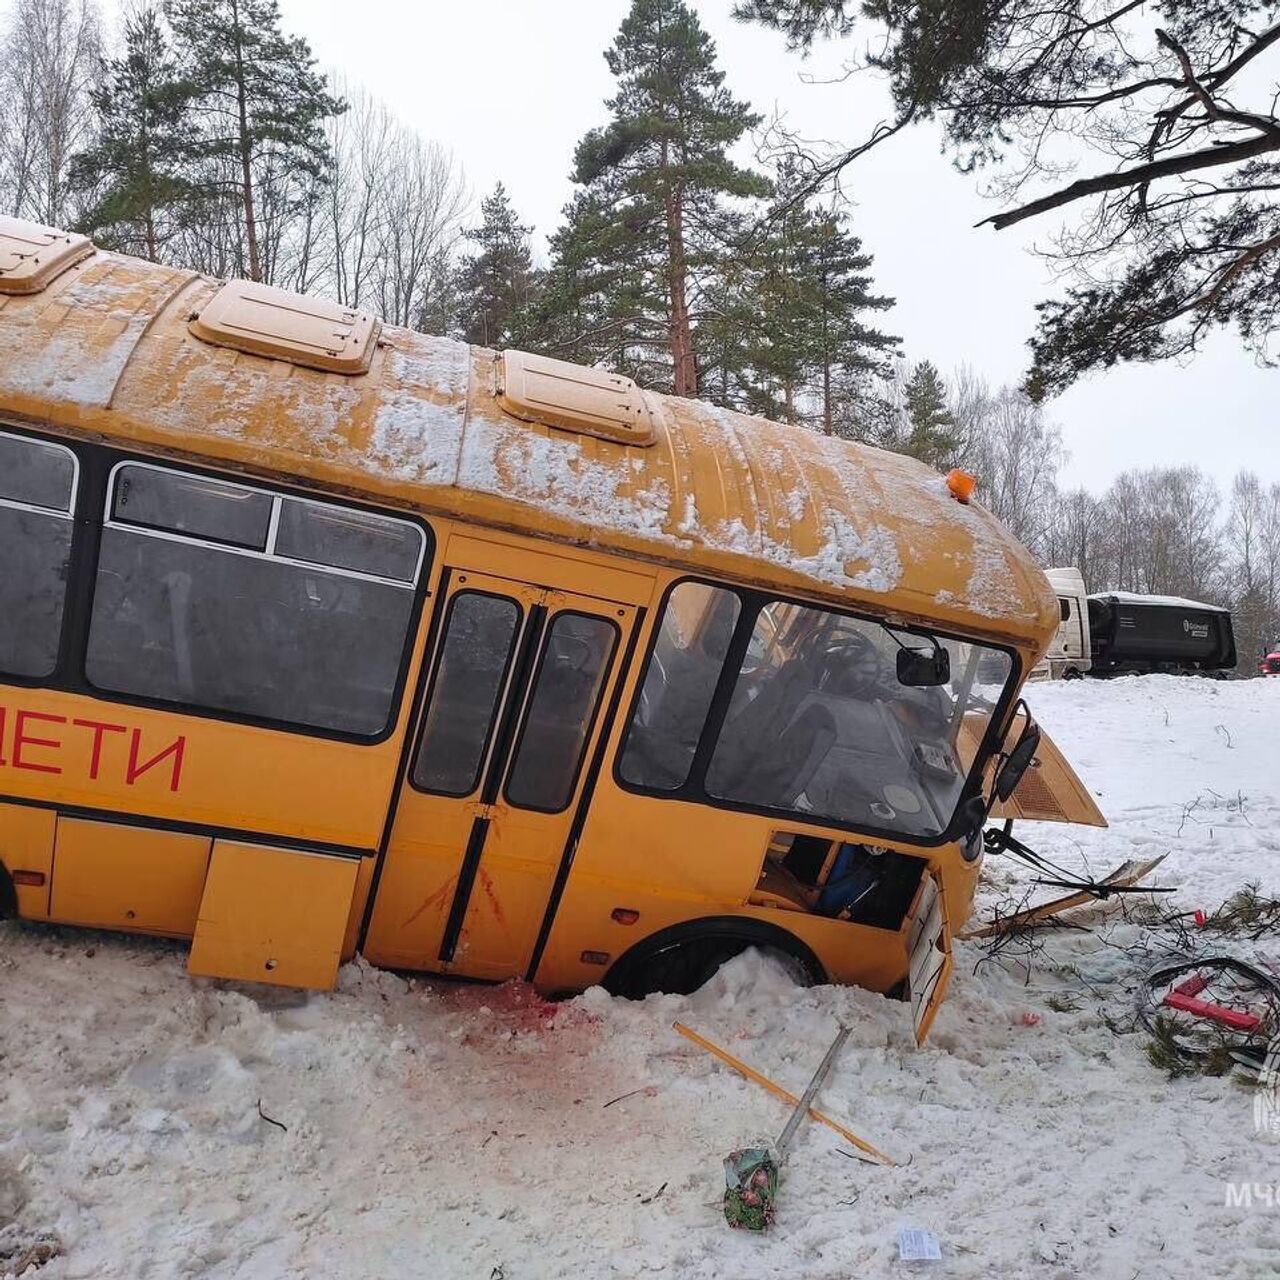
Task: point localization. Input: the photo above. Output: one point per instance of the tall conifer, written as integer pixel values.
(497, 284)
(931, 432)
(134, 173)
(260, 105)
(790, 335)
(652, 219)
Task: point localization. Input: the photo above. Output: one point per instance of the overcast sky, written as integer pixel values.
(510, 85)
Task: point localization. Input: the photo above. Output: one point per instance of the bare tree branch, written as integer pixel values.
(1170, 166)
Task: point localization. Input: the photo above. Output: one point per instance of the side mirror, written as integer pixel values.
(1018, 761)
(924, 669)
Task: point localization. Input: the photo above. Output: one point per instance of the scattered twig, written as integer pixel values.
(1226, 733)
(861, 1159)
(656, 1194)
(622, 1097)
(1187, 811)
(269, 1120)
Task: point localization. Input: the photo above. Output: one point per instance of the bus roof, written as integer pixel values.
(106, 349)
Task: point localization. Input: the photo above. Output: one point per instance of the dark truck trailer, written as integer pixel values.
(1135, 634)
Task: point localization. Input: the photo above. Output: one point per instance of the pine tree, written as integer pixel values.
(133, 173)
(438, 309)
(788, 336)
(931, 434)
(847, 350)
(497, 284)
(261, 105)
(651, 222)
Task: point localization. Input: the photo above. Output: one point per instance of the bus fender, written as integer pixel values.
(627, 972)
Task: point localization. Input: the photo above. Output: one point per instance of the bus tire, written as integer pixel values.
(679, 959)
(1071, 673)
(8, 895)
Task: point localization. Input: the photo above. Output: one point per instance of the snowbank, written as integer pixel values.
(442, 1130)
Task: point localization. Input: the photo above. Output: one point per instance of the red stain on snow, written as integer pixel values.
(516, 1007)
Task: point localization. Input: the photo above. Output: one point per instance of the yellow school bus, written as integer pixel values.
(320, 637)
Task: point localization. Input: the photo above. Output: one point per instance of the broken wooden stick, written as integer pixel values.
(779, 1092)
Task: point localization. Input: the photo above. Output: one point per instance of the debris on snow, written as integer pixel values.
(918, 1245)
(127, 1102)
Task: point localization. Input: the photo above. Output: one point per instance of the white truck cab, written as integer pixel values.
(1068, 656)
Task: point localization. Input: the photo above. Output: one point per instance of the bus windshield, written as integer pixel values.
(818, 723)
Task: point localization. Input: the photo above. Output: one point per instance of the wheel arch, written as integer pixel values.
(8, 894)
(750, 931)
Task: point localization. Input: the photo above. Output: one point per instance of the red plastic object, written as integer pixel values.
(1193, 986)
(1233, 1018)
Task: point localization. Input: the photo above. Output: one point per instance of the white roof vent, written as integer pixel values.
(559, 394)
(31, 255)
(288, 326)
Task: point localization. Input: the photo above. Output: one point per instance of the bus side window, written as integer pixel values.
(195, 603)
(479, 637)
(37, 496)
(557, 722)
(684, 668)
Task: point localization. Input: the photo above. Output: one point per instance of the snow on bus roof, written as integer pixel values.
(108, 350)
(1169, 602)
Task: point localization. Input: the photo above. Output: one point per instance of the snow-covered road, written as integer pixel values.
(437, 1130)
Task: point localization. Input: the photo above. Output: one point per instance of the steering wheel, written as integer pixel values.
(851, 663)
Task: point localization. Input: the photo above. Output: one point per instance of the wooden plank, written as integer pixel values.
(1126, 874)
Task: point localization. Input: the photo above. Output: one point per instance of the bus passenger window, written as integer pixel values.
(562, 706)
(37, 494)
(193, 505)
(479, 637)
(322, 534)
(216, 620)
(679, 683)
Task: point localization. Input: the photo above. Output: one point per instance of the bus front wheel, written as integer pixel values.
(679, 960)
(8, 895)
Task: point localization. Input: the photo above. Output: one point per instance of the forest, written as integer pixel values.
(696, 253)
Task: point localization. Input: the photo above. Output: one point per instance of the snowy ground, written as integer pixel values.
(457, 1131)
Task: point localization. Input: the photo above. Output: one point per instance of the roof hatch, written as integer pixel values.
(31, 255)
(287, 326)
(559, 394)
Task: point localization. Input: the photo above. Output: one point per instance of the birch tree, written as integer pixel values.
(50, 64)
